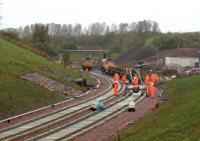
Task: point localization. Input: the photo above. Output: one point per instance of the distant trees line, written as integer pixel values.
(174, 40)
(56, 38)
(77, 30)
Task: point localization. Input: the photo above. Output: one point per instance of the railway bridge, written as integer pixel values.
(68, 52)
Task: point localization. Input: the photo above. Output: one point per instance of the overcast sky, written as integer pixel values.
(172, 15)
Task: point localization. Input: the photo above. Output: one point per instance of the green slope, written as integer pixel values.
(176, 120)
(18, 95)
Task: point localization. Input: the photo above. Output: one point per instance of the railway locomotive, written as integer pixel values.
(109, 67)
(87, 64)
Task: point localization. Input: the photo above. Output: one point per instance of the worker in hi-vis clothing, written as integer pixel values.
(115, 88)
(153, 79)
(147, 79)
(116, 77)
(135, 83)
(151, 89)
(123, 78)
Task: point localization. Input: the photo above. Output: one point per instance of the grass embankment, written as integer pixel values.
(175, 120)
(18, 95)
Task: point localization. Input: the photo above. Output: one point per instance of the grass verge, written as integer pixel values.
(175, 120)
(18, 95)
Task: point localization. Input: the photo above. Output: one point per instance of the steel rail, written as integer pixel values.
(45, 120)
(72, 129)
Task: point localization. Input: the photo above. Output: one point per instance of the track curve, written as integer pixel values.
(47, 119)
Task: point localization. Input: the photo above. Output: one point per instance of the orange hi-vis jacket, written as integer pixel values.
(153, 79)
(123, 78)
(115, 88)
(135, 80)
(147, 80)
(116, 77)
(151, 89)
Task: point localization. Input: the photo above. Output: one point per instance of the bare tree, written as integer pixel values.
(132, 27)
(77, 31)
(155, 27)
(27, 31)
(68, 29)
(113, 28)
(123, 27)
(107, 30)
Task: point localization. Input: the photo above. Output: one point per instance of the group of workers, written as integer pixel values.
(116, 78)
(150, 81)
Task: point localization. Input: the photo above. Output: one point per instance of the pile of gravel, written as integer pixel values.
(50, 84)
(133, 55)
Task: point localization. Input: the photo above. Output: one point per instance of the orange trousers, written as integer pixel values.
(151, 89)
(123, 78)
(115, 89)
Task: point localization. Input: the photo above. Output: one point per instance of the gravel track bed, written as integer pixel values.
(5, 124)
(107, 130)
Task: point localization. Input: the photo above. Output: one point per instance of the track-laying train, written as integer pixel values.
(87, 64)
(109, 67)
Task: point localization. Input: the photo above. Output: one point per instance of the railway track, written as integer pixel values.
(89, 121)
(101, 87)
(44, 121)
(68, 120)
